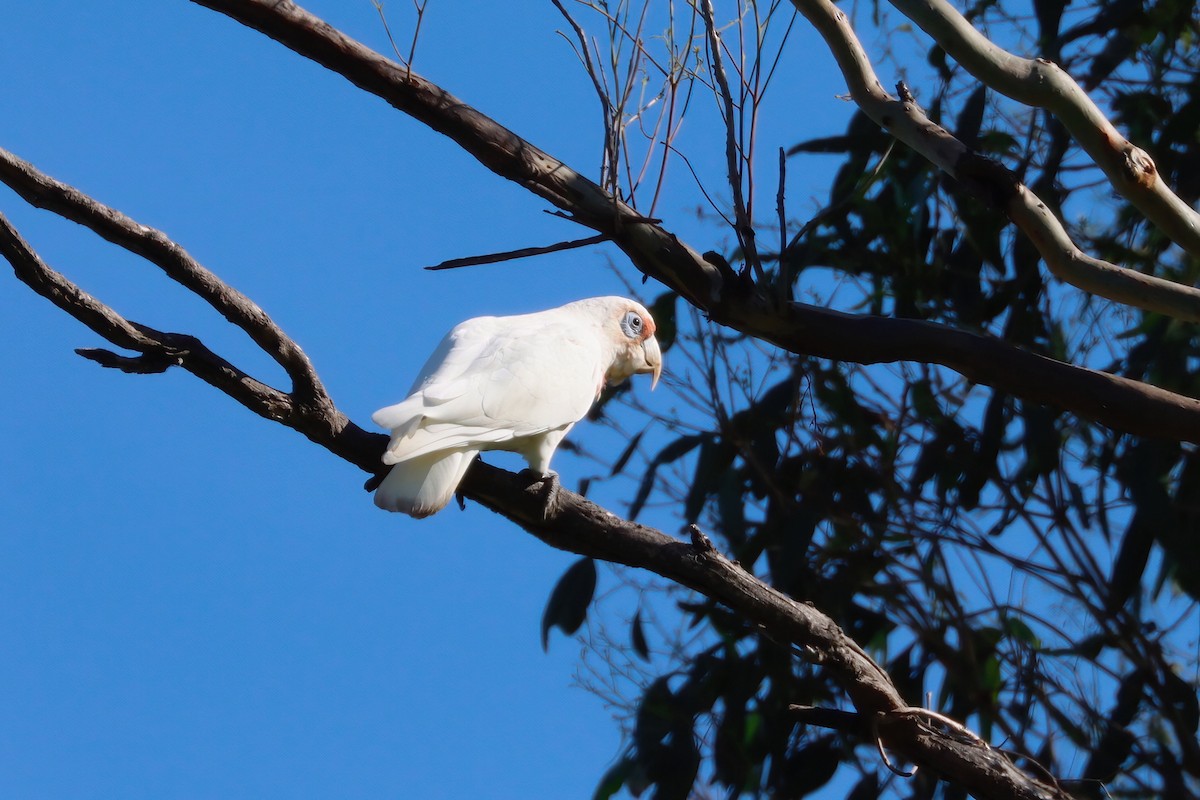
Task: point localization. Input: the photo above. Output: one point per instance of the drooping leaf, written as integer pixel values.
(970, 118)
(674, 767)
(866, 789)
(730, 758)
(1017, 629)
(613, 780)
(808, 767)
(627, 453)
(1049, 15)
(568, 604)
(714, 462)
(637, 637)
(655, 716)
(666, 327)
(672, 452)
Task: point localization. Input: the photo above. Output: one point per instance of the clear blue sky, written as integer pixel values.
(195, 602)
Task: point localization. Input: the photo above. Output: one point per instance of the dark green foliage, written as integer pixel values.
(568, 604)
(1014, 567)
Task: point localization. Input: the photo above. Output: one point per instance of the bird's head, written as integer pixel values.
(636, 350)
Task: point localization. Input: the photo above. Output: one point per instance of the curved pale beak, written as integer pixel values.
(653, 358)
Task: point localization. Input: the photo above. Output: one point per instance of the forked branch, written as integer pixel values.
(1040, 83)
(991, 180)
(42, 191)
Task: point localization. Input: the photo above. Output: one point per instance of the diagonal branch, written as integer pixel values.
(571, 522)
(991, 180)
(42, 191)
(158, 350)
(1043, 84)
(512, 255)
(313, 415)
(1110, 400)
(660, 254)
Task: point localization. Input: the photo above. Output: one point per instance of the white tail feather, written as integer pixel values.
(424, 485)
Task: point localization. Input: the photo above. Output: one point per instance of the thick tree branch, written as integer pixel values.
(558, 517)
(1113, 401)
(496, 147)
(571, 522)
(992, 181)
(1043, 84)
(1118, 402)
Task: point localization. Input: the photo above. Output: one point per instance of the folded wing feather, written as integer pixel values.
(491, 383)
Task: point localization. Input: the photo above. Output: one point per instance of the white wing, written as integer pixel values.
(496, 379)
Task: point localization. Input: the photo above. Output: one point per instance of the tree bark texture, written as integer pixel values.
(557, 516)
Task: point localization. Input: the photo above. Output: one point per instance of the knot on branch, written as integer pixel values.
(1140, 166)
(701, 543)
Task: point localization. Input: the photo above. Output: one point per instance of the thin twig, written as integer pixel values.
(511, 255)
(388, 31)
(781, 276)
(887, 762)
(584, 54)
(419, 5)
(1111, 400)
(743, 226)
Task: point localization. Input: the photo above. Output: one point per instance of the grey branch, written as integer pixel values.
(991, 180)
(1043, 84)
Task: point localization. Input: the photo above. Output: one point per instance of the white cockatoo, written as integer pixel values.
(508, 383)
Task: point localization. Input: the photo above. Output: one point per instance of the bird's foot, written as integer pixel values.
(545, 487)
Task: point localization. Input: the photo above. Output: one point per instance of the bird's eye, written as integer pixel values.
(632, 323)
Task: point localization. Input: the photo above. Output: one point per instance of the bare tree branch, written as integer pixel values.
(1111, 400)
(610, 157)
(571, 522)
(42, 191)
(991, 180)
(559, 517)
(743, 224)
(510, 255)
(1043, 84)
(158, 349)
(307, 408)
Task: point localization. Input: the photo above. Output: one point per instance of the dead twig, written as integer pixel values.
(511, 255)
